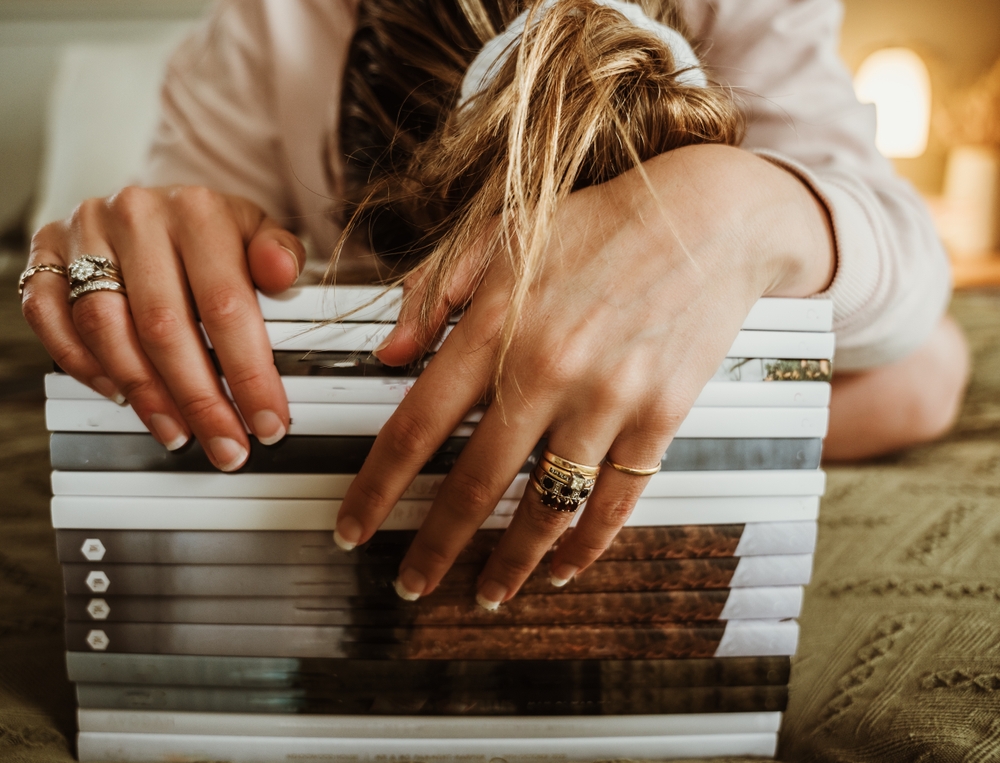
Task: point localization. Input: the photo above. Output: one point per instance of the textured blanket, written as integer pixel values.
(900, 652)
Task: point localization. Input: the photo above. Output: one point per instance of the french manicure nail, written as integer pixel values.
(295, 261)
(268, 427)
(106, 387)
(410, 584)
(490, 595)
(228, 453)
(563, 575)
(347, 533)
(167, 431)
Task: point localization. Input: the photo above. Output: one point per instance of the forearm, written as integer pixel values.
(723, 200)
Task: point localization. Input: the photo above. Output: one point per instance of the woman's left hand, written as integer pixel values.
(638, 300)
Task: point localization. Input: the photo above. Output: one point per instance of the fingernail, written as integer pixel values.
(563, 575)
(295, 261)
(348, 533)
(490, 595)
(410, 584)
(167, 431)
(106, 387)
(384, 343)
(268, 427)
(228, 453)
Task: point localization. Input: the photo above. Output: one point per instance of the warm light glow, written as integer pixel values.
(897, 82)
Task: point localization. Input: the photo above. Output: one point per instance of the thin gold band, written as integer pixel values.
(630, 470)
(44, 268)
(573, 466)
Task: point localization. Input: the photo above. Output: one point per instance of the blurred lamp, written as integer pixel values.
(897, 82)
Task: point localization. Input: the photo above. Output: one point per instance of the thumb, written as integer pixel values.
(275, 255)
(412, 336)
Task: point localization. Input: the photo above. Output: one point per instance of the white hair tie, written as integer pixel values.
(484, 66)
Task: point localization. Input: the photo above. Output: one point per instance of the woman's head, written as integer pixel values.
(582, 97)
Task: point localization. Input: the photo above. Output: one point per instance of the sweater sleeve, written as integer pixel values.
(219, 125)
(892, 280)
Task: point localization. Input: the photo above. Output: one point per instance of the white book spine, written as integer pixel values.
(365, 337)
(333, 419)
(433, 727)
(763, 538)
(373, 303)
(157, 748)
(117, 513)
(749, 638)
(322, 486)
(752, 571)
(763, 603)
(332, 389)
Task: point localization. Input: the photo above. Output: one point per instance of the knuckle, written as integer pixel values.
(97, 317)
(196, 202)
(49, 236)
(204, 406)
(431, 553)
(138, 389)
(133, 207)
(369, 494)
(159, 325)
(87, 212)
(470, 494)
(408, 434)
(253, 381)
(69, 356)
(613, 514)
(37, 312)
(224, 305)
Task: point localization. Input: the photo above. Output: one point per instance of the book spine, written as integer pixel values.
(273, 672)
(408, 727)
(381, 390)
(79, 451)
(425, 486)
(536, 701)
(344, 420)
(376, 580)
(757, 638)
(155, 748)
(291, 547)
(373, 303)
(768, 603)
(92, 512)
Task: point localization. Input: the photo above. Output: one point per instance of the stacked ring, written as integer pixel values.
(563, 484)
(91, 273)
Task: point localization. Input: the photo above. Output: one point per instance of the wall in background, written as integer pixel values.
(32, 35)
(958, 38)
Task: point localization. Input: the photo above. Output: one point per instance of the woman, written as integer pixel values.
(594, 316)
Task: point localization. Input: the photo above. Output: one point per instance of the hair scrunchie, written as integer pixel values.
(486, 63)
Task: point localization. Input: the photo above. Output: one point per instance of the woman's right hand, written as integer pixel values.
(186, 254)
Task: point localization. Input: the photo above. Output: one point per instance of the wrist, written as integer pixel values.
(730, 203)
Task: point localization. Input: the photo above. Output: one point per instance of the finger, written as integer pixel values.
(211, 246)
(612, 503)
(485, 469)
(452, 383)
(167, 329)
(46, 308)
(417, 330)
(276, 256)
(104, 322)
(535, 526)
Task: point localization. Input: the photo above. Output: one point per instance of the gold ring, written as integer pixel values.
(565, 463)
(45, 268)
(631, 470)
(91, 273)
(553, 498)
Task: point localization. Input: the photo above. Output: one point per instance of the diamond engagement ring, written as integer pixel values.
(92, 273)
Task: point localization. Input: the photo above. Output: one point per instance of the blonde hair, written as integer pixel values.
(584, 97)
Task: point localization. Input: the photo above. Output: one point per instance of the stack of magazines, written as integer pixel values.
(211, 616)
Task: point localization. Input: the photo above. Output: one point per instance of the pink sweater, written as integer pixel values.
(250, 98)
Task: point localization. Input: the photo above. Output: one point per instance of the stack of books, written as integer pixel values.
(211, 616)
